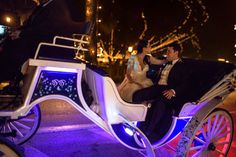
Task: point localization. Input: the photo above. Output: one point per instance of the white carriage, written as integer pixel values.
(206, 128)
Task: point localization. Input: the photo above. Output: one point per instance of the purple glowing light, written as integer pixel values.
(60, 69)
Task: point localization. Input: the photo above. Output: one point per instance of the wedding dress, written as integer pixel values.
(127, 88)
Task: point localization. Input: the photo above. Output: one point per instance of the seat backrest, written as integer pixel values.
(204, 75)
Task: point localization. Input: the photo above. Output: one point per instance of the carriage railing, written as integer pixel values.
(222, 88)
(83, 39)
(54, 44)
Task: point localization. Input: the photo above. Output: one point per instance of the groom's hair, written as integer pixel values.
(141, 45)
(176, 46)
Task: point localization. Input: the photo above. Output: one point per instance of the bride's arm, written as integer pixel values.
(128, 74)
(154, 60)
(130, 78)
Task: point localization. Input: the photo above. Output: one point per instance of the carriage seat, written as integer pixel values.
(203, 76)
(106, 96)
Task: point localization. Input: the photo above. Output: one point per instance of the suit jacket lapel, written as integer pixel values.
(174, 71)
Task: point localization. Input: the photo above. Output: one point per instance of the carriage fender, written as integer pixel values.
(189, 130)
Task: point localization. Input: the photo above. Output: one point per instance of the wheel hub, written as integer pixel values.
(211, 147)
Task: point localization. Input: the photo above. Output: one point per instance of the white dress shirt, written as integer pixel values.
(165, 73)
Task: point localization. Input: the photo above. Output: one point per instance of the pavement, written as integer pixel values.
(64, 132)
(86, 141)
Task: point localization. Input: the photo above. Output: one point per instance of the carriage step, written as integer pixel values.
(10, 102)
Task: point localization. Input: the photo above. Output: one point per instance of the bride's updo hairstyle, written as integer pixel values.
(141, 45)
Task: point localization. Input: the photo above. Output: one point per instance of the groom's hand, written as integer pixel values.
(169, 93)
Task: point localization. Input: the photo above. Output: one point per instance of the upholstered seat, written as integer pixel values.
(204, 75)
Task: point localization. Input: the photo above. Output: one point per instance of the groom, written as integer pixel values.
(169, 90)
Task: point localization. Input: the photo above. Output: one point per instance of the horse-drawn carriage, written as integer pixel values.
(205, 129)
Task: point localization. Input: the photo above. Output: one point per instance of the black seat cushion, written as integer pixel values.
(204, 75)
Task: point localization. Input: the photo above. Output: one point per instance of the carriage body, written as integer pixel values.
(83, 85)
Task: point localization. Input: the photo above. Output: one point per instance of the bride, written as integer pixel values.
(135, 77)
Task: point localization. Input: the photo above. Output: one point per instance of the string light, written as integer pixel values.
(145, 26)
(192, 21)
(89, 9)
(196, 16)
(235, 44)
(8, 19)
(98, 18)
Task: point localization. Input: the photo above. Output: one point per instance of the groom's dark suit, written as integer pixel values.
(177, 80)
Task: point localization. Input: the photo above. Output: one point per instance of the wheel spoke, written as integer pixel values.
(4, 128)
(209, 128)
(200, 140)
(213, 136)
(220, 130)
(204, 133)
(196, 148)
(222, 153)
(17, 130)
(25, 126)
(9, 128)
(210, 154)
(219, 124)
(27, 120)
(198, 153)
(221, 135)
(10, 138)
(205, 153)
(214, 125)
(220, 143)
(22, 125)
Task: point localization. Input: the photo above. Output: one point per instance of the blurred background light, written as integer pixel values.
(8, 19)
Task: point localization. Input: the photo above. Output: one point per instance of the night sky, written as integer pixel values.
(216, 37)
